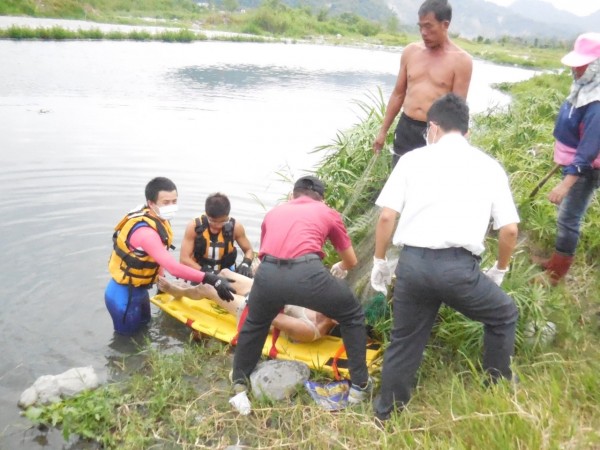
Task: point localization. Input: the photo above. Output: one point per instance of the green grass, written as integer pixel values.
(181, 401)
(99, 10)
(518, 54)
(57, 33)
(521, 138)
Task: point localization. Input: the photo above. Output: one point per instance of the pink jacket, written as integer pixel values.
(564, 155)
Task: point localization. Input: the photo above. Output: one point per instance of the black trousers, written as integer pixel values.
(303, 282)
(425, 279)
(408, 136)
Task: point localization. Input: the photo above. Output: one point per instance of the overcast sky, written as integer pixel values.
(579, 7)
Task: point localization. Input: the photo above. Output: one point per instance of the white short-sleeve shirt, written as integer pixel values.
(446, 194)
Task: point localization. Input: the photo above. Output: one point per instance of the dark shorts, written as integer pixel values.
(408, 136)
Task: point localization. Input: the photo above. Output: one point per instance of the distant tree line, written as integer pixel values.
(528, 42)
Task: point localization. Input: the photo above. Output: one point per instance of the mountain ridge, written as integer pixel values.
(528, 19)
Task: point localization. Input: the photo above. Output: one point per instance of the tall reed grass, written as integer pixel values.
(57, 33)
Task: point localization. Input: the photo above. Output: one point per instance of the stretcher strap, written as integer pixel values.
(276, 331)
(243, 316)
(334, 367)
(274, 337)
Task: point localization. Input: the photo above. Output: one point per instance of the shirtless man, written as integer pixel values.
(297, 323)
(428, 70)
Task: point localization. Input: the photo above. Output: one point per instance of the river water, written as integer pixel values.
(84, 125)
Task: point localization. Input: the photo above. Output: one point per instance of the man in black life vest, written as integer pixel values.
(208, 243)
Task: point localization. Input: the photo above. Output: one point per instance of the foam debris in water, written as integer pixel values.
(51, 388)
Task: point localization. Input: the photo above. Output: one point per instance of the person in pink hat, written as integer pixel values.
(577, 148)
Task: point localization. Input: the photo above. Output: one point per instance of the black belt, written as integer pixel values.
(283, 262)
(440, 252)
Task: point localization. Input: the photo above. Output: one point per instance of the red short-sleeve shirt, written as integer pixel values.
(302, 226)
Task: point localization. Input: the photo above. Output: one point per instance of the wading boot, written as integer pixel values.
(540, 261)
(557, 267)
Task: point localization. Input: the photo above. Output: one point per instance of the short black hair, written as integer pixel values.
(440, 8)
(298, 192)
(156, 185)
(217, 205)
(450, 112)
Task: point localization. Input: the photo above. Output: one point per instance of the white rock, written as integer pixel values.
(76, 380)
(47, 388)
(28, 397)
(278, 379)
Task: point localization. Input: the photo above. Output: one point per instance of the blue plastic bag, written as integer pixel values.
(331, 396)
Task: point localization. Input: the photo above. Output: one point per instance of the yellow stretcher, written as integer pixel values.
(208, 318)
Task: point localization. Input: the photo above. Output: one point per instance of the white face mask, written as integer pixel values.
(167, 212)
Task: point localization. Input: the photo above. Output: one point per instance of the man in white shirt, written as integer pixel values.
(445, 193)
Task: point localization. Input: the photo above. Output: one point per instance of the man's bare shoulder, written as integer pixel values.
(412, 51)
(238, 229)
(412, 48)
(191, 227)
(417, 45)
(459, 52)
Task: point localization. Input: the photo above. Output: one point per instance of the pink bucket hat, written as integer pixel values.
(586, 50)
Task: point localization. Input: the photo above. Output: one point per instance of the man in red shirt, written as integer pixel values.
(291, 273)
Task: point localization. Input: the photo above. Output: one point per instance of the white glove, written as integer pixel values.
(381, 275)
(496, 275)
(337, 271)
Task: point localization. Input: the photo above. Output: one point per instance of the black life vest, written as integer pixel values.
(214, 252)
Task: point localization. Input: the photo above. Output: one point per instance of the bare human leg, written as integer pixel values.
(181, 289)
